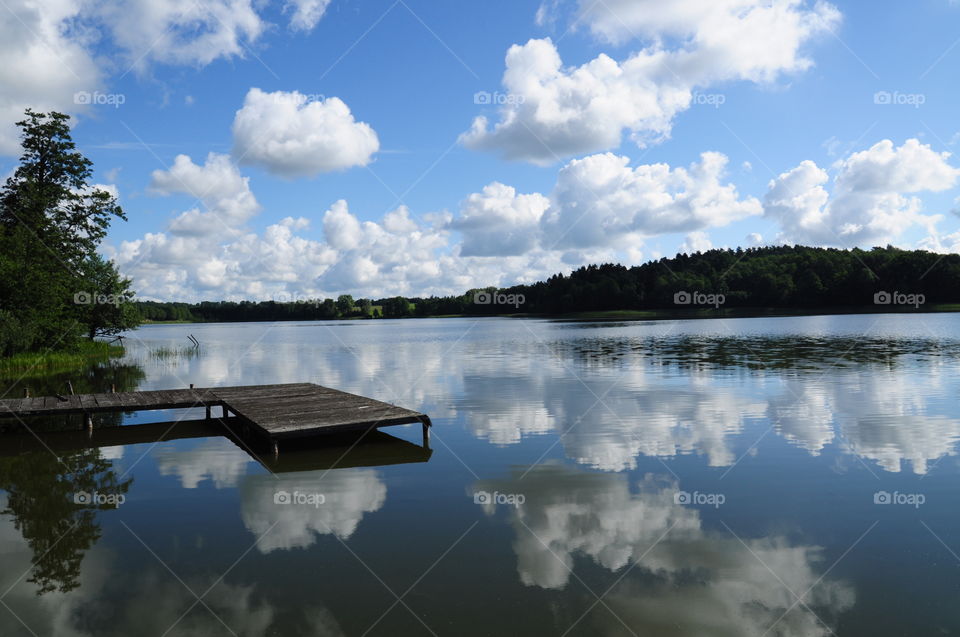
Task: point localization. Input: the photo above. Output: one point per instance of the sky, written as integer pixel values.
(308, 148)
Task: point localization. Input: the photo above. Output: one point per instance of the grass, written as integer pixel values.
(61, 361)
(168, 353)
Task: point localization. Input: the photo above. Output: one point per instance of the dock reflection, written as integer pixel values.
(354, 449)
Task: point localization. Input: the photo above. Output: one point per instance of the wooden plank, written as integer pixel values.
(35, 404)
(143, 401)
(128, 399)
(107, 401)
(284, 410)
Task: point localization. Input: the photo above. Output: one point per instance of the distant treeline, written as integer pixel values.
(786, 277)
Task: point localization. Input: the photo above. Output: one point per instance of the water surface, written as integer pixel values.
(768, 476)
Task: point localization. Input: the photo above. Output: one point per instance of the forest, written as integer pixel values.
(778, 277)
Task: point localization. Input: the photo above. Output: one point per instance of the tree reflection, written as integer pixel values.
(42, 500)
(91, 380)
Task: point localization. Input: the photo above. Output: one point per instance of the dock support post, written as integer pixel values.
(426, 435)
(276, 450)
(208, 412)
(88, 422)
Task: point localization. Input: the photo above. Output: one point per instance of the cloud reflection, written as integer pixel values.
(347, 494)
(684, 579)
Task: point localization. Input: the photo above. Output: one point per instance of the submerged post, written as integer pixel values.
(426, 433)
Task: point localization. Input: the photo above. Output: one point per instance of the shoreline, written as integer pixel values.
(632, 315)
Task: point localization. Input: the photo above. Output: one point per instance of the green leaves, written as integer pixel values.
(51, 223)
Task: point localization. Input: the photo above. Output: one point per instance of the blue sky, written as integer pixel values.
(827, 124)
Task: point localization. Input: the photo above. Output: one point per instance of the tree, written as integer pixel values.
(366, 307)
(51, 222)
(109, 307)
(344, 305)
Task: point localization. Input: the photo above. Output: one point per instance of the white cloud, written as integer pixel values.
(181, 31)
(292, 136)
(600, 209)
(43, 63)
(694, 242)
(52, 51)
(218, 184)
(869, 203)
(498, 221)
(601, 201)
(306, 13)
(558, 111)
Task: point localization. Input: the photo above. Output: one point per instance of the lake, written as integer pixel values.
(761, 476)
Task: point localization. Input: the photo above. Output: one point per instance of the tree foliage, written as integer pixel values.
(52, 221)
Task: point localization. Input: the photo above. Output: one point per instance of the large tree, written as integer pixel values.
(52, 220)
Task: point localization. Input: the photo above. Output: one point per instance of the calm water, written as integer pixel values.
(772, 476)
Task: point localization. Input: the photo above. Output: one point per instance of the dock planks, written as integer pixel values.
(275, 412)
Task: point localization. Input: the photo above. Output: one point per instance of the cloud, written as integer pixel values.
(181, 31)
(601, 201)
(43, 64)
(292, 136)
(559, 111)
(52, 51)
(306, 13)
(498, 222)
(694, 242)
(869, 202)
(225, 193)
(601, 209)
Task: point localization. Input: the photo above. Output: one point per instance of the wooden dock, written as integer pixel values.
(271, 412)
